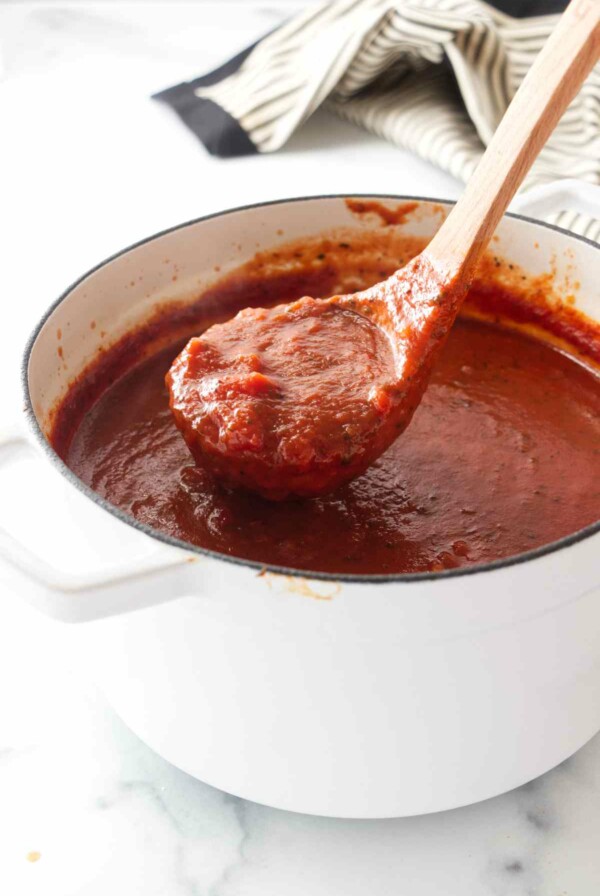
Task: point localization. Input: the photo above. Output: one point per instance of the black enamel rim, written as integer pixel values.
(442, 575)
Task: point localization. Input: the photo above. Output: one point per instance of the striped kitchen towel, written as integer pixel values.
(432, 76)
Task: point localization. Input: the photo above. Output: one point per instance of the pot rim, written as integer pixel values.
(388, 578)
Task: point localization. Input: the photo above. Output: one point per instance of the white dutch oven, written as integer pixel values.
(370, 697)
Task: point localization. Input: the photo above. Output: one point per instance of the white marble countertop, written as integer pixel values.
(88, 164)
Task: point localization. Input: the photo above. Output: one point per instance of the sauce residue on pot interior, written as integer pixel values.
(502, 455)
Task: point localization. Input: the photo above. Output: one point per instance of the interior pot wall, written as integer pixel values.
(174, 267)
(178, 265)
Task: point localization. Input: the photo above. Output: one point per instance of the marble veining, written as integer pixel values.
(86, 809)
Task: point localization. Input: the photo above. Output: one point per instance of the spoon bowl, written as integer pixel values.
(300, 398)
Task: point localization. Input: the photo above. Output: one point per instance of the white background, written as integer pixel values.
(89, 164)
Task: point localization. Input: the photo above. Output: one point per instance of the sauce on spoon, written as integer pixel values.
(300, 398)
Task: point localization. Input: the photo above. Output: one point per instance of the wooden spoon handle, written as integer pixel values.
(553, 80)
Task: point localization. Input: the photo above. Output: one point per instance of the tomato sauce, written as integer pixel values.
(502, 455)
(283, 400)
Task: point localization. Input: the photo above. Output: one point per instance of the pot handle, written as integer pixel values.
(569, 194)
(163, 574)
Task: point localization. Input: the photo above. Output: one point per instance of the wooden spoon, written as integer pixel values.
(297, 399)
